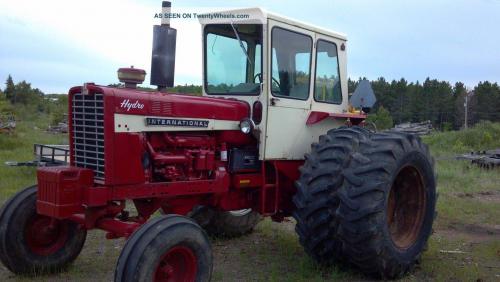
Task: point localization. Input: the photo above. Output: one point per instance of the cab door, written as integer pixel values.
(290, 53)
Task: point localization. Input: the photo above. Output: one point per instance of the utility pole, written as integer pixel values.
(466, 107)
(465, 110)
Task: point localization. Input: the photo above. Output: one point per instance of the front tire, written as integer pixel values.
(229, 224)
(387, 204)
(167, 248)
(31, 243)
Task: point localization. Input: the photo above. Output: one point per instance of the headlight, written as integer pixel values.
(247, 125)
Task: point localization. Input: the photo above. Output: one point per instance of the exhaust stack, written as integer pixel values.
(163, 51)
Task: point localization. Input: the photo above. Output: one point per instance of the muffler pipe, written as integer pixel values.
(163, 51)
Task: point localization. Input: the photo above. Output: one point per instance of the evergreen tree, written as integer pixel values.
(9, 88)
(351, 85)
(487, 97)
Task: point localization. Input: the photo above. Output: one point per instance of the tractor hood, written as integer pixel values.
(137, 102)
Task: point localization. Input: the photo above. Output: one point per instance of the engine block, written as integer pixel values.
(181, 156)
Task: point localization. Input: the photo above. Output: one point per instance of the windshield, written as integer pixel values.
(230, 67)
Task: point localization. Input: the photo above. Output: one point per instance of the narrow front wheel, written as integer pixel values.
(168, 248)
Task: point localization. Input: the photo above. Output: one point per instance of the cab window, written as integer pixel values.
(232, 68)
(327, 82)
(291, 64)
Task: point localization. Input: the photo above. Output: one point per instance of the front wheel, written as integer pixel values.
(31, 243)
(228, 224)
(167, 248)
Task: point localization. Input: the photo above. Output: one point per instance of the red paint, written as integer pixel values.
(44, 235)
(174, 171)
(124, 152)
(220, 184)
(288, 173)
(117, 228)
(171, 105)
(60, 190)
(181, 156)
(128, 149)
(237, 200)
(184, 205)
(223, 192)
(178, 264)
(316, 117)
(269, 190)
(235, 138)
(247, 180)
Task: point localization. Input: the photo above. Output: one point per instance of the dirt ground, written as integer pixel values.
(483, 196)
(272, 253)
(464, 247)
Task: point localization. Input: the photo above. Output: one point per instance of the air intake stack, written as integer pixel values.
(163, 55)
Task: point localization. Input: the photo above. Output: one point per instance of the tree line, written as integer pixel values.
(21, 93)
(398, 101)
(438, 101)
(29, 102)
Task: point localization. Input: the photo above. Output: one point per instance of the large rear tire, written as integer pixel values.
(387, 204)
(316, 202)
(227, 224)
(167, 248)
(31, 243)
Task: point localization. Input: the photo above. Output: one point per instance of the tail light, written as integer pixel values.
(257, 112)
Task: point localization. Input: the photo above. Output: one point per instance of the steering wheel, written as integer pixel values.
(276, 81)
(259, 75)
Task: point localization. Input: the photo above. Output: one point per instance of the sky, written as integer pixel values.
(59, 44)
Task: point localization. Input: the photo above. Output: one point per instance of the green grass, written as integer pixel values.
(457, 178)
(483, 136)
(272, 253)
(18, 146)
(481, 259)
(445, 266)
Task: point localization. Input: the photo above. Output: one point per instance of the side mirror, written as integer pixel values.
(363, 97)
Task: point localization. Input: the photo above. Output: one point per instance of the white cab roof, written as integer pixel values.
(263, 14)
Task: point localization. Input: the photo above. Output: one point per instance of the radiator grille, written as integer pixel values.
(88, 132)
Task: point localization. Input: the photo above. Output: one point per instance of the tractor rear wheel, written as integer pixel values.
(228, 224)
(316, 202)
(31, 243)
(167, 248)
(387, 204)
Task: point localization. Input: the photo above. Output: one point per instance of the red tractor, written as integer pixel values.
(271, 136)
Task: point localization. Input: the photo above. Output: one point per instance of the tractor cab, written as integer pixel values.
(292, 74)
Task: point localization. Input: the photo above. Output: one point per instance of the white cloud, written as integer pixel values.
(119, 31)
(453, 40)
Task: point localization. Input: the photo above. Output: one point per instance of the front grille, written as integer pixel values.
(88, 132)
